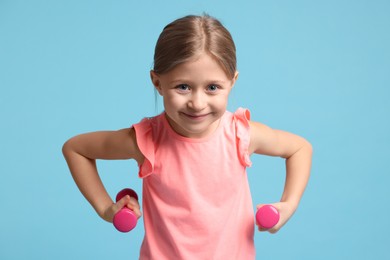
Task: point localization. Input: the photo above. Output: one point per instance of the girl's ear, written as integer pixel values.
(235, 76)
(156, 81)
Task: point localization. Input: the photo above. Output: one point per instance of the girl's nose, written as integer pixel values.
(197, 101)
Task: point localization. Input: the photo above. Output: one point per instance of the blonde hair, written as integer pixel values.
(186, 38)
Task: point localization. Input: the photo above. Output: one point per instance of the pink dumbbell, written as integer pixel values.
(125, 220)
(267, 216)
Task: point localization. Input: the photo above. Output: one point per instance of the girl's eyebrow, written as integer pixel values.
(177, 81)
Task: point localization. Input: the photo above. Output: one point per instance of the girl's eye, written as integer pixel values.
(212, 88)
(182, 87)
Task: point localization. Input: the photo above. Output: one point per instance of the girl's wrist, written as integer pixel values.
(106, 211)
(292, 203)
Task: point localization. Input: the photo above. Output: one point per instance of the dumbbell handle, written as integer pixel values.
(267, 216)
(125, 219)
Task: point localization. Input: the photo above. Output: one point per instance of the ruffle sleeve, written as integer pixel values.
(144, 137)
(241, 118)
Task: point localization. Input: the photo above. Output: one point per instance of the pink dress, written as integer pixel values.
(196, 199)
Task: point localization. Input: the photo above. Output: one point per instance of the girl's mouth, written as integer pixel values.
(195, 116)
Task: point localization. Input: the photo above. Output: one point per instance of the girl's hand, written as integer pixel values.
(286, 210)
(126, 201)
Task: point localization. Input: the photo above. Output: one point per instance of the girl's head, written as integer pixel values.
(185, 39)
(194, 71)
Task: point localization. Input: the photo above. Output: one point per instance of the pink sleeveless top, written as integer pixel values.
(196, 199)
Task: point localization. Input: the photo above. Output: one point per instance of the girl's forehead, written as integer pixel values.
(202, 63)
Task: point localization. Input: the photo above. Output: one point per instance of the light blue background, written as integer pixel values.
(316, 68)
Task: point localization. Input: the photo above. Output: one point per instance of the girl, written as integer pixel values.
(192, 158)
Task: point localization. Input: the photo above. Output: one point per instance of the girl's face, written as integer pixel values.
(195, 95)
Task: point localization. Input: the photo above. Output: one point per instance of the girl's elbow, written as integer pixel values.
(304, 148)
(309, 146)
(67, 147)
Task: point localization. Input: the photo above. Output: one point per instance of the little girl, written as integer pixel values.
(192, 157)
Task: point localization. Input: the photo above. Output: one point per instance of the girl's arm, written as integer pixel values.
(297, 152)
(81, 152)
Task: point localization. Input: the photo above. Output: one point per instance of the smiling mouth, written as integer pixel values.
(194, 117)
